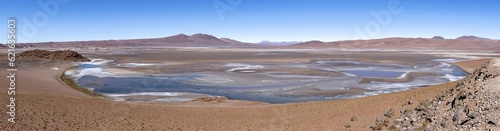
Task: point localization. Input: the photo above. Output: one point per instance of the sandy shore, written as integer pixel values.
(44, 102)
(470, 66)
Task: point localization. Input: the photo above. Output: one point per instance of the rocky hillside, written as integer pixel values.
(473, 104)
(66, 55)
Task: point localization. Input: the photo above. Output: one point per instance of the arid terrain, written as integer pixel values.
(45, 102)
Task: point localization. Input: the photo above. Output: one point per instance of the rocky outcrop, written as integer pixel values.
(472, 104)
(218, 99)
(62, 55)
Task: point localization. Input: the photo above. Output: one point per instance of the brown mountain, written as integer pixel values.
(180, 40)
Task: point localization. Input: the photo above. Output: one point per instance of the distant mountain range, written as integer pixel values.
(437, 42)
(180, 40)
(279, 43)
(205, 40)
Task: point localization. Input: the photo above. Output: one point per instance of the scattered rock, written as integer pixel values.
(471, 104)
(354, 118)
(492, 123)
(378, 124)
(458, 114)
(389, 113)
(347, 125)
(409, 102)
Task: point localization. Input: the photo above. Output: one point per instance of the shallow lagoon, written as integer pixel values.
(256, 84)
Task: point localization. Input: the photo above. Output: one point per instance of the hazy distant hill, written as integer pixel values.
(204, 40)
(475, 38)
(461, 43)
(265, 42)
(438, 38)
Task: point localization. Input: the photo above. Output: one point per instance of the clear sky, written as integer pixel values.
(249, 20)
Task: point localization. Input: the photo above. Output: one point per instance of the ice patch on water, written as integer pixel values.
(248, 71)
(403, 75)
(443, 65)
(134, 64)
(385, 85)
(452, 77)
(146, 94)
(119, 53)
(240, 66)
(172, 100)
(215, 79)
(348, 74)
(77, 74)
(297, 76)
(267, 53)
(337, 62)
(94, 71)
(96, 61)
(448, 69)
(445, 60)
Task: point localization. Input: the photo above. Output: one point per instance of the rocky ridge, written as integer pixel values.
(472, 104)
(61, 55)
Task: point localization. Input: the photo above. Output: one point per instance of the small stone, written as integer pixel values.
(397, 121)
(347, 125)
(386, 122)
(458, 114)
(492, 122)
(378, 119)
(389, 113)
(473, 115)
(354, 118)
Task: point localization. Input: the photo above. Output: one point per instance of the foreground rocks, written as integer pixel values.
(473, 104)
(66, 55)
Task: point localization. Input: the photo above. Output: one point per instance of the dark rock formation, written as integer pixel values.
(66, 55)
(218, 99)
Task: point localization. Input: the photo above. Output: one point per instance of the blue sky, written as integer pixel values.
(249, 20)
